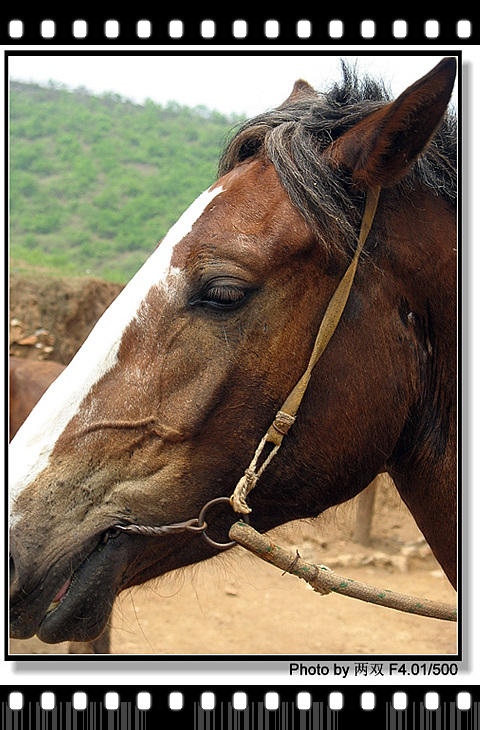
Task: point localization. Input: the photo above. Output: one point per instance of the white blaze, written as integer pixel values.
(31, 448)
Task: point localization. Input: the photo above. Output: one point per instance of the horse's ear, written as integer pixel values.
(381, 148)
(301, 90)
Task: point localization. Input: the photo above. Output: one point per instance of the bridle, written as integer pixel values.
(257, 543)
(285, 417)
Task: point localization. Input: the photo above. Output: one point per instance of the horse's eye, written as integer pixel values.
(218, 295)
(224, 296)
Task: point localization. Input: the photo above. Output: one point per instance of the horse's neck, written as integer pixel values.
(424, 247)
(424, 463)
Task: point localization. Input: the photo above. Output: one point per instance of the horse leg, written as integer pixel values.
(363, 522)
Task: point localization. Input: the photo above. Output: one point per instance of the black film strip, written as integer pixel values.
(76, 707)
(359, 27)
(247, 708)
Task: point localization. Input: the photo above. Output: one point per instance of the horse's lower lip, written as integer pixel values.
(82, 606)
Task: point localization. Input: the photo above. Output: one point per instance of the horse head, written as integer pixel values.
(162, 408)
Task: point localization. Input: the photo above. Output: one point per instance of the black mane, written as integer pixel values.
(293, 136)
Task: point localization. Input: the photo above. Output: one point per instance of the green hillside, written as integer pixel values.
(96, 181)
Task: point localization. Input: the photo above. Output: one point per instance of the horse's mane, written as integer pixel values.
(293, 136)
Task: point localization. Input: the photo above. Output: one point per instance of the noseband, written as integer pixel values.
(286, 416)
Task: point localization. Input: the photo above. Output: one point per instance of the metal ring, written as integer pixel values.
(202, 521)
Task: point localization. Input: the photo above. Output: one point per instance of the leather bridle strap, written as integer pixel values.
(285, 417)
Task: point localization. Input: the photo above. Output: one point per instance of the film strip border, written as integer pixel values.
(249, 708)
(355, 27)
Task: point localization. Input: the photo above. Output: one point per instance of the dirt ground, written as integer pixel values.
(238, 605)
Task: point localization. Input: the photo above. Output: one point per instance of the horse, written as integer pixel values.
(177, 386)
(28, 381)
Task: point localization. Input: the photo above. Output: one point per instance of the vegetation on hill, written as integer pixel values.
(96, 181)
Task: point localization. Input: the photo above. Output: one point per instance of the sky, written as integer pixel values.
(243, 84)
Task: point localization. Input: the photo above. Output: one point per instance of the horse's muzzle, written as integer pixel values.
(70, 606)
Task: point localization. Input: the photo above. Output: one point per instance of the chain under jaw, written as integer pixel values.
(196, 525)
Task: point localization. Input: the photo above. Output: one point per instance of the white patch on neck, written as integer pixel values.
(31, 448)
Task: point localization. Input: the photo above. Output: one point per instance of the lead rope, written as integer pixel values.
(323, 580)
(285, 417)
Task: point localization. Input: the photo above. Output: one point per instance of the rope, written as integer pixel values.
(323, 580)
(250, 478)
(285, 417)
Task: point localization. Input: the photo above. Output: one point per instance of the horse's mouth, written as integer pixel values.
(73, 602)
(60, 595)
(54, 615)
(81, 606)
